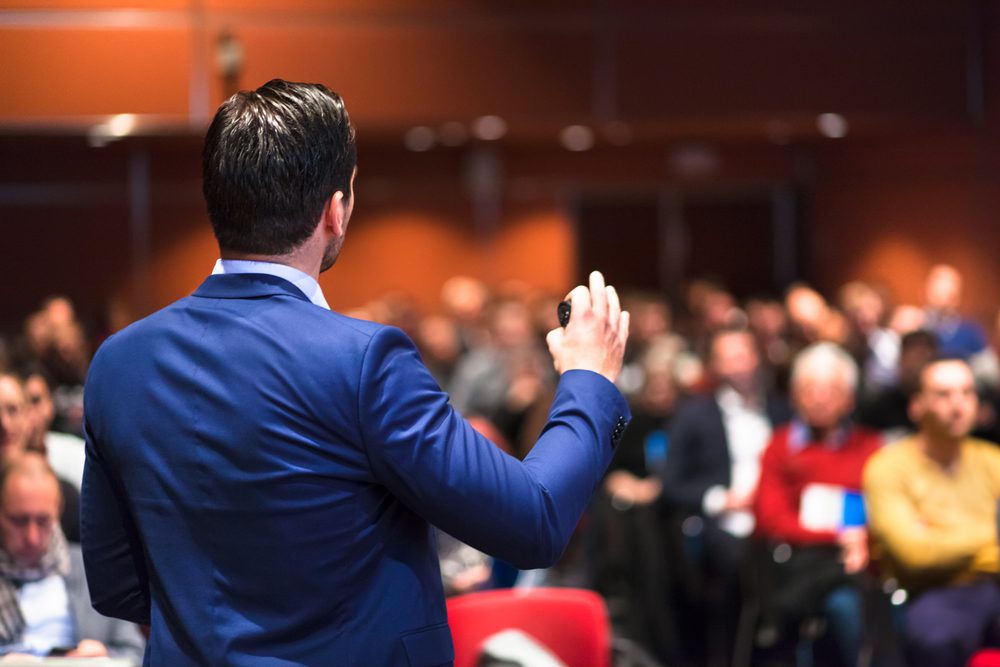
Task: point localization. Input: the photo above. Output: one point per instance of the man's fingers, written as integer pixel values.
(623, 328)
(580, 299)
(614, 306)
(598, 294)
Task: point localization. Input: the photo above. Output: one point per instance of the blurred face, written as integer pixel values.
(806, 307)
(39, 405)
(30, 511)
(659, 393)
(13, 417)
(512, 325)
(822, 397)
(946, 405)
(944, 288)
(439, 339)
(735, 360)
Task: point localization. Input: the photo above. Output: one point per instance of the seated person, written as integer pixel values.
(889, 411)
(810, 481)
(711, 471)
(16, 425)
(44, 602)
(64, 451)
(932, 500)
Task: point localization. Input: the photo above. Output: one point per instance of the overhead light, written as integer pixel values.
(489, 128)
(116, 127)
(121, 125)
(419, 139)
(577, 138)
(832, 125)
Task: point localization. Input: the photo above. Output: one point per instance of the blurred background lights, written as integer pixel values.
(489, 128)
(832, 125)
(121, 125)
(419, 139)
(576, 138)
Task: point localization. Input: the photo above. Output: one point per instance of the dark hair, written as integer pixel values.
(919, 337)
(272, 159)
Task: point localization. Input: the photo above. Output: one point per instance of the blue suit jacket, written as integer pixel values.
(261, 473)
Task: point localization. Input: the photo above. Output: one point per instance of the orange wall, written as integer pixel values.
(887, 211)
(391, 250)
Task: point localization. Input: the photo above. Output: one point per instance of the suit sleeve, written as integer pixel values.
(114, 558)
(430, 458)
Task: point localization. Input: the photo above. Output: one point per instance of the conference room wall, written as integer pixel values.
(883, 210)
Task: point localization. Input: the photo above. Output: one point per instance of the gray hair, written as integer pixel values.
(824, 357)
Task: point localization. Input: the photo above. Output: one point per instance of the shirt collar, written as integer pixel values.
(730, 400)
(800, 436)
(303, 281)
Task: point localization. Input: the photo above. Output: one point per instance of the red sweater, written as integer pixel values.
(786, 469)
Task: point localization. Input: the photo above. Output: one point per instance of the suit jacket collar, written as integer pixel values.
(247, 286)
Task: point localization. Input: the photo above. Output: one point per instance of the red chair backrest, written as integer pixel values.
(572, 623)
(988, 657)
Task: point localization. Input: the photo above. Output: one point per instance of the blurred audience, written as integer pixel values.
(707, 471)
(45, 608)
(808, 506)
(630, 545)
(508, 377)
(957, 336)
(64, 451)
(874, 346)
(712, 470)
(888, 410)
(15, 429)
(932, 500)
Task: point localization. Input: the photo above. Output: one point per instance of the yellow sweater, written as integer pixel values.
(935, 526)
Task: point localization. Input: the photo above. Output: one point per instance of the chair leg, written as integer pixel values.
(743, 645)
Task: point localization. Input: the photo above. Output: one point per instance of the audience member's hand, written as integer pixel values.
(649, 489)
(854, 549)
(594, 339)
(471, 579)
(20, 658)
(627, 490)
(89, 648)
(740, 501)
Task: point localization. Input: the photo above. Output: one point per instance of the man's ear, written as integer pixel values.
(333, 214)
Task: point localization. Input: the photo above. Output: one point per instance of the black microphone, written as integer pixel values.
(563, 311)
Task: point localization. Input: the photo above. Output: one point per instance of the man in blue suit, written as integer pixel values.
(262, 472)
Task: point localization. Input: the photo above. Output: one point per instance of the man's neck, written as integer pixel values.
(943, 451)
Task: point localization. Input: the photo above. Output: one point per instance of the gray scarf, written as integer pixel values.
(12, 575)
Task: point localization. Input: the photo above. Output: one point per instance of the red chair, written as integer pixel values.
(987, 657)
(572, 623)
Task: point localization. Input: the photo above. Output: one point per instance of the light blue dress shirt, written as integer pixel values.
(303, 281)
